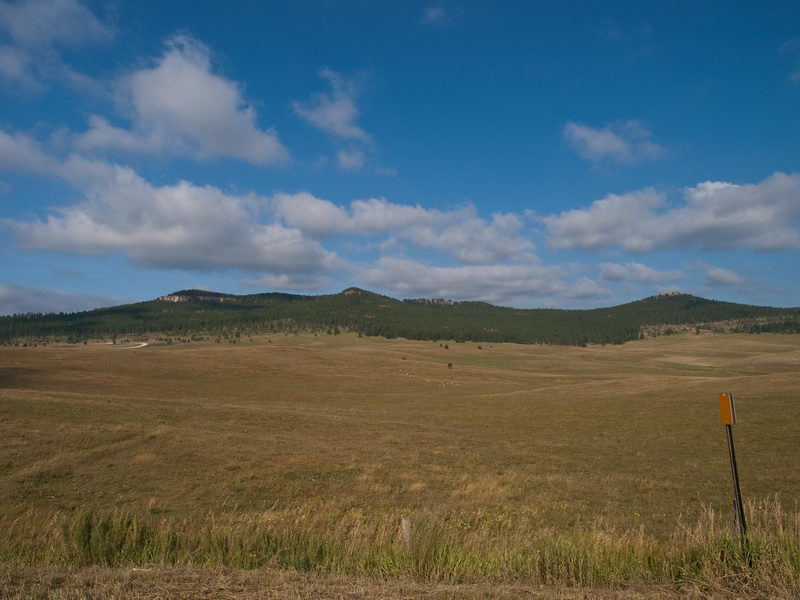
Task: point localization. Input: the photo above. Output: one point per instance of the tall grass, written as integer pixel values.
(450, 547)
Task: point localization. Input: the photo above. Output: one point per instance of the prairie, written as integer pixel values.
(601, 467)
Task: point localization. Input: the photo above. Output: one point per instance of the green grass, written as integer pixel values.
(446, 547)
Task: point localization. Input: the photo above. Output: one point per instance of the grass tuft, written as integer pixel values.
(445, 547)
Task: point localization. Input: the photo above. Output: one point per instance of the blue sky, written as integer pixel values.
(571, 154)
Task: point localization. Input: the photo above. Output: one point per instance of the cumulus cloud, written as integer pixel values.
(20, 299)
(474, 240)
(335, 111)
(179, 105)
(36, 29)
(460, 233)
(613, 220)
(34, 23)
(719, 277)
(584, 289)
(620, 142)
(321, 218)
(101, 134)
(180, 226)
(633, 271)
(313, 215)
(20, 152)
(186, 226)
(713, 215)
(503, 283)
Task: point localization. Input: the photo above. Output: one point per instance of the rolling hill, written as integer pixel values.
(202, 313)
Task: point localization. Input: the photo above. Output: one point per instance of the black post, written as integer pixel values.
(736, 488)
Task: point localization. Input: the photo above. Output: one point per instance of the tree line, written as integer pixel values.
(213, 314)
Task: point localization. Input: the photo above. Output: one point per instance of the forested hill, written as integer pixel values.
(201, 313)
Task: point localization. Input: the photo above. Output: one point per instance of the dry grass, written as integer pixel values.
(160, 583)
(455, 548)
(515, 441)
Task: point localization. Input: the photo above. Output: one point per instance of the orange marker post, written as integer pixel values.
(727, 411)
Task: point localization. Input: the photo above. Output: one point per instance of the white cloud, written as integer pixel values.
(390, 244)
(613, 220)
(36, 28)
(316, 217)
(714, 215)
(717, 277)
(585, 288)
(475, 241)
(289, 281)
(101, 134)
(19, 152)
(185, 226)
(322, 218)
(503, 284)
(620, 142)
(20, 299)
(182, 106)
(350, 159)
(33, 23)
(15, 66)
(633, 271)
(335, 112)
(459, 233)
(377, 215)
(180, 226)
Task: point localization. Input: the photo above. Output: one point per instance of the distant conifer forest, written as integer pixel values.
(197, 313)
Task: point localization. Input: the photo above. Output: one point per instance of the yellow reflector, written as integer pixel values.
(726, 409)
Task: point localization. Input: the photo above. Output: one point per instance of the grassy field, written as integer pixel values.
(523, 465)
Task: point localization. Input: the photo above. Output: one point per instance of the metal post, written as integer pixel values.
(740, 517)
(727, 411)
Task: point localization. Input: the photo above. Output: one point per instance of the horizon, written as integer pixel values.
(568, 156)
(428, 299)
